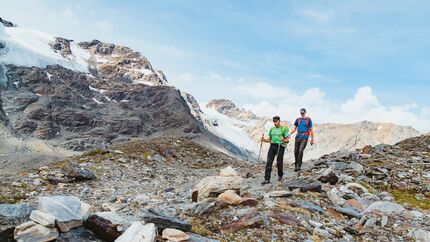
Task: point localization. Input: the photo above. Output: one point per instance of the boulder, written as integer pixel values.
(14, 214)
(286, 219)
(419, 235)
(251, 219)
(251, 202)
(78, 173)
(206, 206)
(80, 234)
(230, 197)
(329, 178)
(164, 221)
(66, 210)
(114, 219)
(354, 204)
(174, 235)
(138, 232)
(229, 171)
(384, 207)
(102, 227)
(33, 232)
(304, 183)
(212, 186)
(43, 218)
(348, 211)
(307, 205)
(335, 197)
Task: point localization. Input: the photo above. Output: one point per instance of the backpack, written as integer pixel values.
(307, 124)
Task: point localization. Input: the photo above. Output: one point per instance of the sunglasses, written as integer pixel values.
(302, 113)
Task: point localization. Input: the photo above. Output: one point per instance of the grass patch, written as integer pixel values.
(59, 164)
(92, 152)
(11, 199)
(375, 163)
(367, 186)
(409, 197)
(197, 228)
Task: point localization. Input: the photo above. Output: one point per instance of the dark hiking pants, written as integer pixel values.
(299, 147)
(273, 151)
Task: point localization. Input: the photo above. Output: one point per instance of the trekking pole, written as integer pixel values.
(259, 152)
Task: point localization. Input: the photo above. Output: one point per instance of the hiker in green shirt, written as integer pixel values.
(278, 140)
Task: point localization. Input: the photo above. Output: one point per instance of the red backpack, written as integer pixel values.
(307, 124)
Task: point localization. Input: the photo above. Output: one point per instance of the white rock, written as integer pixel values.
(335, 197)
(174, 235)
(211, 185)
(229, 171)
(85, 209)
(417, 214)
(384, 207)
(33, 232)
(43, 218)
(139, 233)
(420, 235)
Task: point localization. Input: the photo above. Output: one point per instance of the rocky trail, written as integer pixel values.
(178, 190)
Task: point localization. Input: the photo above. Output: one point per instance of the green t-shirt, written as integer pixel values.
(276, 133)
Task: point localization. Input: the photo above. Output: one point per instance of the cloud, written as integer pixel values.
(363, 105)
(316, 15)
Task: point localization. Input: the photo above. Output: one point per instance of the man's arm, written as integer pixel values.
(292, 131)
(311, 132)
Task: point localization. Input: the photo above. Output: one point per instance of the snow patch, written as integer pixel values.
(97, 101)
(229, 128)
(97, 90)
(27, 47)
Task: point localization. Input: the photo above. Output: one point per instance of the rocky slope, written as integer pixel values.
(377, 193)
(233, 121)
(74, 96)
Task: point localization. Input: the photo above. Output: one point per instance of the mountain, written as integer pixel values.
(74, 96)
(244, 128)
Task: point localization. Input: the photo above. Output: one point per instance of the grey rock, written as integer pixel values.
(307, 205)
(348, 211)
(198, 238)
(163, 221)
(14, 214)
(66, 210)
(78, 173)
(80, 234)
(384, 207)
(304, 183)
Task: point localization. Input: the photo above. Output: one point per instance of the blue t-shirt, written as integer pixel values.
(302, 129)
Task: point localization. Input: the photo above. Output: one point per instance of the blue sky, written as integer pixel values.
(344, 60)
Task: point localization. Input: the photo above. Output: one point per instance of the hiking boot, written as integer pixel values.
(280, 179)
(297, 169)
(265, 182)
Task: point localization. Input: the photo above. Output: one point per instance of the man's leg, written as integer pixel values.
(302, 147)
(280, 161)
(270, 157)
(296, 151)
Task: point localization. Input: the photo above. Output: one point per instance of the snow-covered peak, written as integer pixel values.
(27, 47)
(22, 46)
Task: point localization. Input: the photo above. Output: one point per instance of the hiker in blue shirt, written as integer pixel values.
(303, 125)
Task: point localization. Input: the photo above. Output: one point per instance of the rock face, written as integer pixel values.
(43, 218)
(56, 103)
(33, 232)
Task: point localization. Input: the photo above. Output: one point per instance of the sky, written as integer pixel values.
(345, 61)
